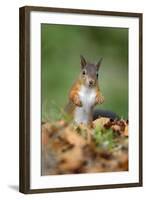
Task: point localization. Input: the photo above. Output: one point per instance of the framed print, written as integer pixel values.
(80, 99)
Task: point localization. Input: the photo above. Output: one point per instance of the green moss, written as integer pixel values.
(104, 138)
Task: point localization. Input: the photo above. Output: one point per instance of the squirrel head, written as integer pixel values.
(89, 72)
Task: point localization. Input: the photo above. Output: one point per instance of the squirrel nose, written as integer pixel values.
(90, 82)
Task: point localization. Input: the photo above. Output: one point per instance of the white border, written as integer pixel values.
(36, 180)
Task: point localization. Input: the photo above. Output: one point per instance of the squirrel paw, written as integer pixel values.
(99, 99)
(77, 101)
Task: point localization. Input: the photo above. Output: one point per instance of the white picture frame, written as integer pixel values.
(31, 19)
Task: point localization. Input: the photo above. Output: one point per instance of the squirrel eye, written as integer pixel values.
(84, 72)
(97, 75)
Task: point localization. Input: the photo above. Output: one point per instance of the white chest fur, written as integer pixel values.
(87, 97)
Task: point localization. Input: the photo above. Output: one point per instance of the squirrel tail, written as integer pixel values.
(104, 113)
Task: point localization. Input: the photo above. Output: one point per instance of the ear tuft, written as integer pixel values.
(83, 61)
(99, 63)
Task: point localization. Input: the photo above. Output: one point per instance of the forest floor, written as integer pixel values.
(68, 148)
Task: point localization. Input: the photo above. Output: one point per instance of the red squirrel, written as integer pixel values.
(85, 94)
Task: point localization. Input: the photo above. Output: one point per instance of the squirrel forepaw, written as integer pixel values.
(77, 101)
(99, 99)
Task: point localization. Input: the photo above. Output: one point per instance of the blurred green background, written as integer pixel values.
(61, 46)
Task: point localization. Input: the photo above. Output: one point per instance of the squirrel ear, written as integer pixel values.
(99, 63)
(83, 61)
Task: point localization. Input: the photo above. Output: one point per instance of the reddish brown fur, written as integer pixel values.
(74, 97)
(88, 76)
